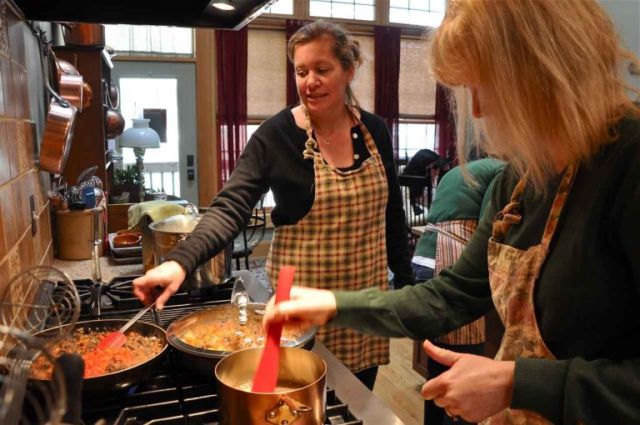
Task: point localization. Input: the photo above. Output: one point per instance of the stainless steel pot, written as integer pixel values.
(206, 321)
(172, 231)
(300, 397)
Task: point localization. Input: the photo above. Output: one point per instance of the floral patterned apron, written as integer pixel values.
(341, 244)
(512, 276)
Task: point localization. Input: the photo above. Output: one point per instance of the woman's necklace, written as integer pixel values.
(326, 140)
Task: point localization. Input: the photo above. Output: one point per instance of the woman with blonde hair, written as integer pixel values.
(557, 251)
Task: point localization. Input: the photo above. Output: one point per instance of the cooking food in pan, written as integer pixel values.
(84, 342)
(222, 331)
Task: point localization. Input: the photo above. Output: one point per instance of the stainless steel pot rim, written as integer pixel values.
(175, 225)
(116, 324)
(177, 343)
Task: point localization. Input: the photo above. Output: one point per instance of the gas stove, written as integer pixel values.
(170, 396)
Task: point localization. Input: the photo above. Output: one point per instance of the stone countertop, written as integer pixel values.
(84, 269)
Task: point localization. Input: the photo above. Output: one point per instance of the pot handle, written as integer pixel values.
(286, 411)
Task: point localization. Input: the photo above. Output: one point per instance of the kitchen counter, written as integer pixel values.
(84, 269)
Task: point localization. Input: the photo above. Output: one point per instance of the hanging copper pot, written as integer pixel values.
(113, 123)
(72, 86)
(111, 93)
(58, 133)
(77, 34)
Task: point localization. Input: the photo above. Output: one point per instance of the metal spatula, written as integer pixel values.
(266, 376)
(116, 339)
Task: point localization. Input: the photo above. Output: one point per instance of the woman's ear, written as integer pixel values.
(476, 111)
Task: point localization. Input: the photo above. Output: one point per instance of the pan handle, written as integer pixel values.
(286, 411)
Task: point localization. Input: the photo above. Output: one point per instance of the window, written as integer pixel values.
(268, 198)
(362, 10)
(266, 68)
(417, 90)
(415, 136)
(147, 39)
(280, 7)
(363, 84)
(427, 13)
(160, 165)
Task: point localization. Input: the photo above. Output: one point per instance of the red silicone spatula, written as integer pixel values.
(117, 339)
(266, 376)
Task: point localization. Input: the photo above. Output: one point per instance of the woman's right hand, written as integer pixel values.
(306, 306)
(168, 276)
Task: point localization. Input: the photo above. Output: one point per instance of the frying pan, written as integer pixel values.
(203, 361)
(122, 379)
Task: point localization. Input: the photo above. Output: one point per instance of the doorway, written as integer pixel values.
(165, 90)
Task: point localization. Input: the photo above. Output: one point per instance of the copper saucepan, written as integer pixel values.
(72, 86)
(299, 397)
(78, 34)
(114, 123)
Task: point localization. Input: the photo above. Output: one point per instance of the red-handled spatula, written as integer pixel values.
(266, 376)
(116, 339)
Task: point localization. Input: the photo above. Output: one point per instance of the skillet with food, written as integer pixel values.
(203, 337)
(113, 368)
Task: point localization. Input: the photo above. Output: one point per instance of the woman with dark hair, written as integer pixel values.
(338, 213)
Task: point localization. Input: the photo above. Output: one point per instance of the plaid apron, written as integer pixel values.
(341, 244)
(512, 276)
(447, 252)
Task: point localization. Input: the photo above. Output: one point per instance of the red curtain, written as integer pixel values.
(387, 77)
(445, 127)
(231, 114)
(292, 25)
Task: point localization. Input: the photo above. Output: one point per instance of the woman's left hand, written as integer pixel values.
(474, 388)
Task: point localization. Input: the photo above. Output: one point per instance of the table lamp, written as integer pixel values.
(140, 137)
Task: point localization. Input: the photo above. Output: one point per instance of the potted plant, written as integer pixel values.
(125, 180)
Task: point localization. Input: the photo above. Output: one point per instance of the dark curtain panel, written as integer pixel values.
(387, 77)
(445, 126)
(231, 116)
(292, 25)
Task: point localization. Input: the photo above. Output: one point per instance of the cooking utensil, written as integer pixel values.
(167, 234)
(78, 34)
(300, 398)
(118, 338)
(86, 174)
(114, 123)
(266, 376)
(121, 379)
(201, 360)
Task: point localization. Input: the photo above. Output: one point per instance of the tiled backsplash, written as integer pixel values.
(20, 178)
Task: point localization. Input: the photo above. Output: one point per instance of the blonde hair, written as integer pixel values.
(550, 70)
(345, 48)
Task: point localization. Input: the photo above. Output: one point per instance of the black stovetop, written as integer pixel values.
(169, 396)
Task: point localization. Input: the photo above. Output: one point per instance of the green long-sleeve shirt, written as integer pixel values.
(587, 298)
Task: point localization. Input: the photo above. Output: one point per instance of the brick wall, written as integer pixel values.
(21, 118)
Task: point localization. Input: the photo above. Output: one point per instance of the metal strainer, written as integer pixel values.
(40, 298)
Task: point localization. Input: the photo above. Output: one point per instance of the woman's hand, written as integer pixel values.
(474, 388)
(168, 276)
(306, 307)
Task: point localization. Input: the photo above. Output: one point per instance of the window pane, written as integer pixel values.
(363, 10)
(400, 3)
(268, 198)
(417, 89)
(282, 7)
(363, 84)
(427, 13)
(137, 94)
(365, 13)
(150, 39)
(341, 10)
(266, 67)
(413, 137)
